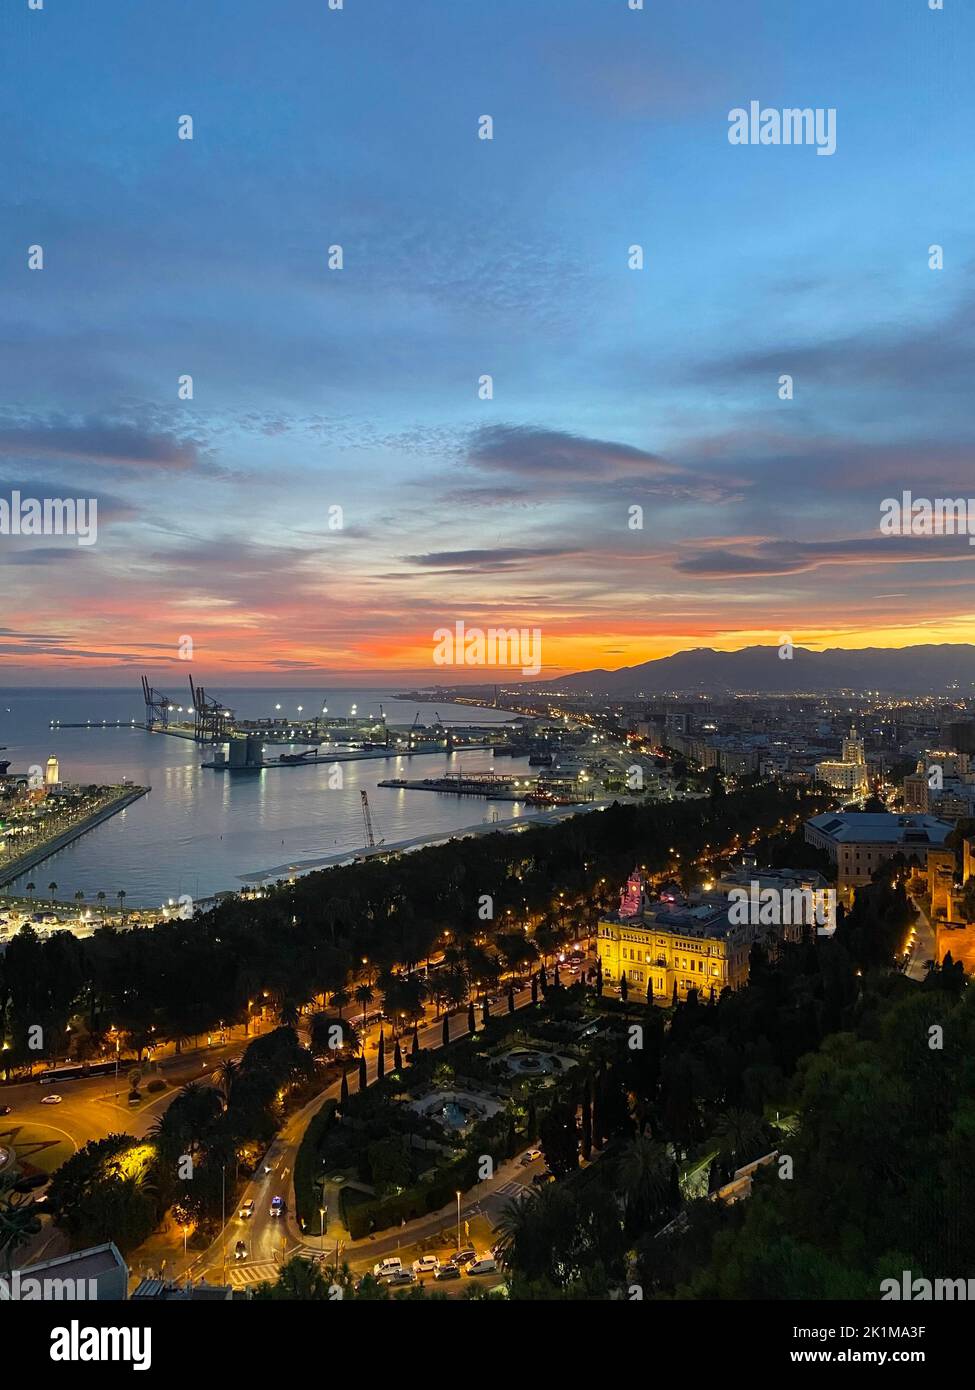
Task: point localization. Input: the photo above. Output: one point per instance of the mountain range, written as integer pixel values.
(917, 670)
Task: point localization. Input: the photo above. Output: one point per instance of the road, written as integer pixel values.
(45, 1135)
(270, 1240)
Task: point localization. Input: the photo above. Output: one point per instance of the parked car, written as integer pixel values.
(540, 1179)
(247, 1209)
(240, 1251)
(50, 1100)
(530, 1156)
(400, 1276)
(277, 1206)
(448, 1272)
(485, 1265)
(426, 1264)
(387, 1266)
(463, 1257)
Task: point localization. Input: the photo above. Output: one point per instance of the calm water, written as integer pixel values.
(199, 830)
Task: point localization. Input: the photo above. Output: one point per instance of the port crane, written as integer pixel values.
(367, 819)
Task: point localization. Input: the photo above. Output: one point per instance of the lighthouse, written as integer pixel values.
(52, 773)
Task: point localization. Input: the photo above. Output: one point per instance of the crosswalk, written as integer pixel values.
(512, 1188)
(241, 1275)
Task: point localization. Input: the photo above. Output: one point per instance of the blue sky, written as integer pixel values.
(357, 387)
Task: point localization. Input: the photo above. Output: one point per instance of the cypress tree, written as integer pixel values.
(397, 1057)
(381, 1057)
(344, 1093)
(485, 1012)
(534, 989)
(471, 1021)
(511, 999)
(363, 1075)
(446, 1029)
(414, 1049)
(624, 987)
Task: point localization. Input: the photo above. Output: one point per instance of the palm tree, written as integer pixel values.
(643, 1178)
(100, 896)
(364, 995)
(52, 888)
(79, 897)
(121, 895)
(30, 890)
(742, 1135)
(341, 1000)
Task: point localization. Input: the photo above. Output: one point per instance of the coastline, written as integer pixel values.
(436, 837)
(28, 861)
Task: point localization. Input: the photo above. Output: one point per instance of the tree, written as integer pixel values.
(624, 987)
(364, 996)
(381, 1057)
(643, 1177)
(511, 999)
(397, 1057)
(52, 888)
(344, 1091)
(446, 1029)
(471, 1021)
(559, 1139)
(485, 1012)
(389, 1164)
(363, 1073)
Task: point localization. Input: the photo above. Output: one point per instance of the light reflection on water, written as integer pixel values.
(199, 829)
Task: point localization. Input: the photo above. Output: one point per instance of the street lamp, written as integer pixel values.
(321, 1213)
(458, 1221)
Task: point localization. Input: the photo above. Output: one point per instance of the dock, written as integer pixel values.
(13, 868)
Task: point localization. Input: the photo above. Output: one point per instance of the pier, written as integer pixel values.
(23, 863)
(496, 787)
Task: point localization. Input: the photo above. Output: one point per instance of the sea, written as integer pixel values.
(202, 831)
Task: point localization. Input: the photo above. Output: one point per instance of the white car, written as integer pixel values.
(247, 1210)
(50, 1100)
(393, 1265)
(426, 1264)
(485, 1265)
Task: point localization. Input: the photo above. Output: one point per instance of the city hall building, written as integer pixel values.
(660, 944)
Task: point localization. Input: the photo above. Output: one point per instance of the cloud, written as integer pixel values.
(99, 441)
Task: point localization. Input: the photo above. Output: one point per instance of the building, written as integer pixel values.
(52, 772)
(860, 841)
(96, 1274)
(848, 772)
(660, 945)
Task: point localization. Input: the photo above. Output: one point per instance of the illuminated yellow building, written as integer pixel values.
(660, 944)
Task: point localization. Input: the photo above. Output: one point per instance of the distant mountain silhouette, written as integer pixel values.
(903, 671)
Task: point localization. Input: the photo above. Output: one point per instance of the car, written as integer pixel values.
(240, 1251)
(277, 1206)
(51, 1100)
(463, 1257)
(399, 1276)
(448, 1272)
(485, 1265)
(135, 1097)
(530, 1156)
(391, 1265)
(540, 1179)
(426, 1264)
(5, 1109)
(247, 1209)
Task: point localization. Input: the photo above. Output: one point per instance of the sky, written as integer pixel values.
(614, 388)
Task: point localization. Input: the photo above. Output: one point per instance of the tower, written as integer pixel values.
(52, 772)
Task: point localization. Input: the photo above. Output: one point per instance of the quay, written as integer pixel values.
(496, 787)
(13, 868)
